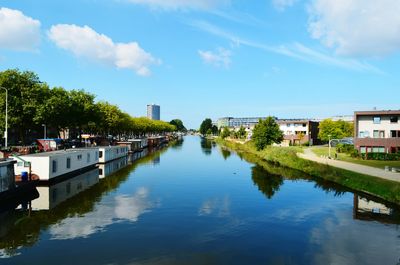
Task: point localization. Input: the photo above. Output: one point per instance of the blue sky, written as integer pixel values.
(212, 58)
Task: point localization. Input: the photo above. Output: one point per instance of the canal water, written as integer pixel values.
(197, 203)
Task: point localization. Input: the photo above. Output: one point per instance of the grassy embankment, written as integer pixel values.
(287, 157)
(324, 151)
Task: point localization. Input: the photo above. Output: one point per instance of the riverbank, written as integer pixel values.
(287, 157)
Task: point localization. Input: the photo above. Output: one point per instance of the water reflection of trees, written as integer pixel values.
(225, 153)
(206, 146)
(25, 226)
(266, 182)
(272, 169)
(177, 144)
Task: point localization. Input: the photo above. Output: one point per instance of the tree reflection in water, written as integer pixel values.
(266, 182)
(225, 153)
(206, 146)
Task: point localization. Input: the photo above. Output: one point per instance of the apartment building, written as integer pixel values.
(297, 131)
(377, 131)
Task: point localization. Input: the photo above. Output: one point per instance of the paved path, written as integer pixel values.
(367, 170)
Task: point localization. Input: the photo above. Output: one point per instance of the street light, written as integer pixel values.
(44, 125)
(6, 131)
(329, 146)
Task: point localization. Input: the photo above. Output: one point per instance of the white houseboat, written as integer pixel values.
(134, 145)
(109, 153)
(53, 195)
(112, 167)
(51, 165)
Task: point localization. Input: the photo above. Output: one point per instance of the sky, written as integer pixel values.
(212, 58)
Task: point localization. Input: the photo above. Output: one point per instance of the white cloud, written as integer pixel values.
(87, 43)
(357, 27)
(181, 4)
(220, 207)
(283, 4)
(220, 57)
(17, 31)
(294, 50)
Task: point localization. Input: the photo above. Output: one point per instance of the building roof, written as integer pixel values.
(377, 112)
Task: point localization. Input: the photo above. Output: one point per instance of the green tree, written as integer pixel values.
(242, 132)
(25, 94)
(335, 129)
(54, 112)
(178, 124)
(266, 132)
(225, 133)
(205, 126)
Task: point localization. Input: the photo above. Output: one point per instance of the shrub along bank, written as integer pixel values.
(287, 157)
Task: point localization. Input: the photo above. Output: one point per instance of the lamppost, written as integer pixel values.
(329, 146)
(44, 125)
(6, 131)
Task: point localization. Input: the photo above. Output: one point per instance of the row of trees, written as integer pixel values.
(32, 103)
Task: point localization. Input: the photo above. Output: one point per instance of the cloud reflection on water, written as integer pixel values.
(121, 208)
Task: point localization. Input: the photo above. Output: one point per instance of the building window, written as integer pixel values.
(304, 124)
(100, 154)
(79, 157)
(88, 157)
(394, 134)
(54, 166)
(363, 149)
(364, 134)
(377, 120)
(68, 162)
(378, 149)
(379, 134)
(394, 119)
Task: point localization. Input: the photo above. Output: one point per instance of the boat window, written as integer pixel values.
(88, 157)
(54, 166)
(68, 188)
(79, 157)
(68, 162)
(100, 154)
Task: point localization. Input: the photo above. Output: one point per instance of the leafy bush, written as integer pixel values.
(345, 148)
(382, 156)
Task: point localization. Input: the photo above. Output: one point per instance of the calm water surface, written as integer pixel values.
(195, 203)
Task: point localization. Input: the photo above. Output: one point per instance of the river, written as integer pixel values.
(197, 203)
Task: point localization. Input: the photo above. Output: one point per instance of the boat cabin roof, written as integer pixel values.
(60, 152)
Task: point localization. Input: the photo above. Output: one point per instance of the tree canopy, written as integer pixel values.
(206, 126)
(266, 132)
(336, 129)
(225, 133)
(178, 124)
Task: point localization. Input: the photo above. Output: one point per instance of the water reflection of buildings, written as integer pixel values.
(369, 210)
(113, 166)
(51, 196)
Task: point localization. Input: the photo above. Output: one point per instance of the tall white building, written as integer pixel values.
(153, 112)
